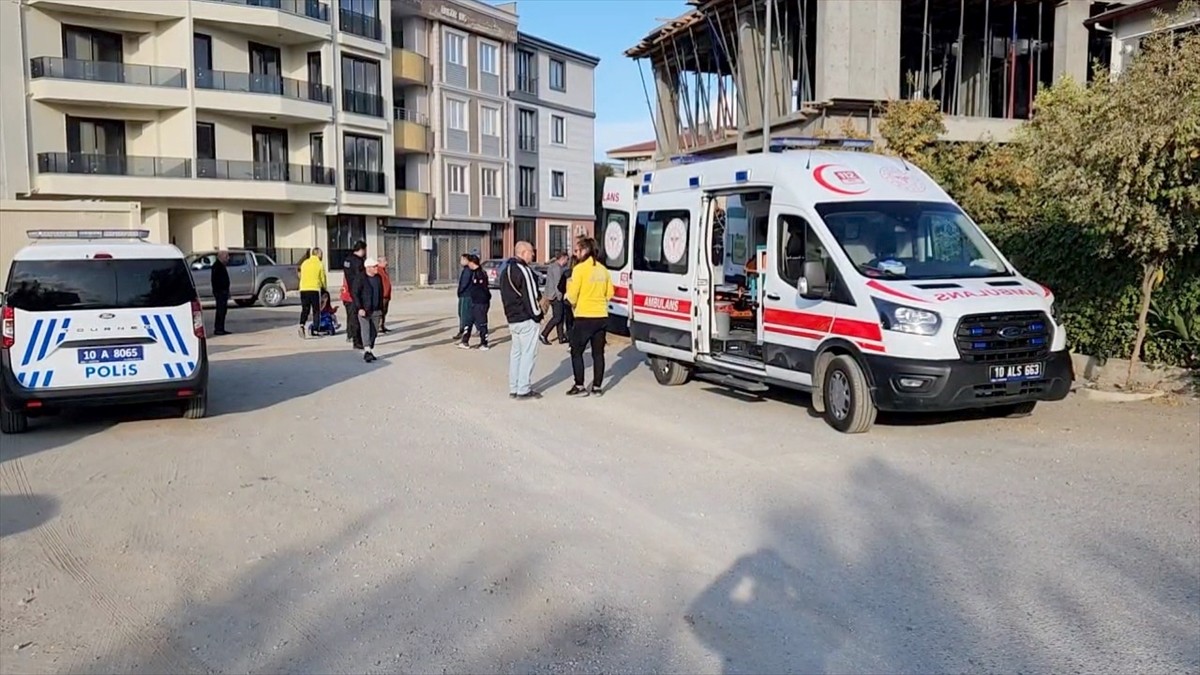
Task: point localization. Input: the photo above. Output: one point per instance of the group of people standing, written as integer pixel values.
(578, 288)
(366, 293)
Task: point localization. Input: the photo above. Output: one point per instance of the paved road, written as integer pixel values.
(406, 516)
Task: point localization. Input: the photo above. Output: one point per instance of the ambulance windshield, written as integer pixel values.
(911, 240)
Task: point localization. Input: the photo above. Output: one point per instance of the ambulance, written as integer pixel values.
(618, 203)
(99, 317)
(860, 281)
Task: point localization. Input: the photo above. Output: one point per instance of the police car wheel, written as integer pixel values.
(272, 294)
(196, 408)
(669, 373)
(848, 404)
(13, 421)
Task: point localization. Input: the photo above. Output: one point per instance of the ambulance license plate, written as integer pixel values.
(110, 354)
(1015, 373)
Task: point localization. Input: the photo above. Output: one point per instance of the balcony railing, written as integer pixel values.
(363, 25)
(106, 71)
(527, 143)
(310, 8)
(362, 103)
(114, 165)
(358, 180)
(264, 84)
(527, 200)
(527, 84)
(230, 169)
(406, 115)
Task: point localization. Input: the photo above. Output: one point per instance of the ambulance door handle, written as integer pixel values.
(685, 289)
(772, 296)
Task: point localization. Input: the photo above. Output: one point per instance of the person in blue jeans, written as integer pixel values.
(520, 296)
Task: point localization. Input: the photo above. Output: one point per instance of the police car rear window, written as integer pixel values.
(56, 285)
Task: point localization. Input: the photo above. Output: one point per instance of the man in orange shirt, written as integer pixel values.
(387, 294)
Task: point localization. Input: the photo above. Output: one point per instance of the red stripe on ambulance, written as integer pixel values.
(667, 308)
(817, 325)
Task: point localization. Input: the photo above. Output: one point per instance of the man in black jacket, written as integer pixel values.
(519, 293)
(220, 290)
(352, 268)
(464, 298)
(368, 304)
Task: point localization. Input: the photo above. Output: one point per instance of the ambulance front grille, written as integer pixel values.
(1004, 337)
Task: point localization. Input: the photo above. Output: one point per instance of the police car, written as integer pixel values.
(99, 317)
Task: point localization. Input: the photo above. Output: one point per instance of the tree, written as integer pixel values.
(600, 171)
(1122, 157)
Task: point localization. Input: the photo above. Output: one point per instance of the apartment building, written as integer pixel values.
(451, 67)
(256, 123)
(553, 145)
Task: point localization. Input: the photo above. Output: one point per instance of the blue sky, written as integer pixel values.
(605, 29)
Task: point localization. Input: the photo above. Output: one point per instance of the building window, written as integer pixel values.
(558, 75)
(496, 241)
(558, 130)
(527, 187)
(357, 17)
(96, 146)
(527, 130)
(456, 179)
(560, 238)
(343, 231)
(456, 49)
(558, 184)
(489, 58)
(90, 44)
(258, 231)
(364, 163)
(526, 71)
(489, 121)
(456, 114)
(489, 182)
(525, 229)
(361, 91)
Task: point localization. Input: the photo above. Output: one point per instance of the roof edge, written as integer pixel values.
(546, 45)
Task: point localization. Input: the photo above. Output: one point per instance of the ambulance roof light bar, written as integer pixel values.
(687, 159)
(781, 144)
(87, 234)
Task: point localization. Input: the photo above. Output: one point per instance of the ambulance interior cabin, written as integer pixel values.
(739, 244)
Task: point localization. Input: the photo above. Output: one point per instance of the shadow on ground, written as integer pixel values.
(20, 512)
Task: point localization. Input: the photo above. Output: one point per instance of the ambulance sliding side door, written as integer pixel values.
(619, 204)
(661, 320)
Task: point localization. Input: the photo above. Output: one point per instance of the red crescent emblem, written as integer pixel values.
(855, 186)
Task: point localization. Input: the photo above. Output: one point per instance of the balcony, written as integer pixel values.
(362, 25)
(411, 131)
(257, 95)
(410, 67)
(527, 200)
(270, 180)
(366, 182)
(527, 143)
(107, 83)
(289, 22)
(114, 165)
(362, 103)
(99, 176)
(412, 205)
(527, 84)
(137, 10)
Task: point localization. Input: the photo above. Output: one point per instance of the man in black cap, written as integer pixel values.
(352, 268)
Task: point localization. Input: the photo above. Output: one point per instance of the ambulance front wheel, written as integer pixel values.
(669, 373)
(13, 421)
(848, 404)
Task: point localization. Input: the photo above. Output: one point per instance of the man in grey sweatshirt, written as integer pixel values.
(556, 293)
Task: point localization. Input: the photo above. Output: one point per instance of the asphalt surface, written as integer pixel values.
(406, 516)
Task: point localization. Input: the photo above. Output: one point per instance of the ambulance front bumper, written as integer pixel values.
(913, 385)
(17, 397)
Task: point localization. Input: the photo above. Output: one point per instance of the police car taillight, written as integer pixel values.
(10, 327)
(197, 319)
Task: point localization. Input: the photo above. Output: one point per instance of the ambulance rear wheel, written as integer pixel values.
(669, 373)
(13, 421)
(848, 404)
(196, 408)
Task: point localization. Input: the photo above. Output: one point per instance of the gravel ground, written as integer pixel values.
(333, 516)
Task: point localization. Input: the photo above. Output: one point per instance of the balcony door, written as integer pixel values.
(90, 54)
(270, 153)
(266, 69)
(206, 150)
(315, 77)
(203, 55)
(96, 146)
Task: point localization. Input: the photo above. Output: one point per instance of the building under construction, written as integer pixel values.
(834, 63)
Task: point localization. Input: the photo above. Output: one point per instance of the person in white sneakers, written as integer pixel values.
(481, 301)
(368, 302)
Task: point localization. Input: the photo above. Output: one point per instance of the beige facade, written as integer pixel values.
(231, 124)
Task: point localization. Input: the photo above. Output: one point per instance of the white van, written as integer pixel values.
(861, 281)
(619, 203)
(99, 318)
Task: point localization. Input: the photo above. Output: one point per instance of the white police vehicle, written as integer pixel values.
(99, 317)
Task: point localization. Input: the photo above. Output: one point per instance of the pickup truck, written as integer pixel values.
(253, 277)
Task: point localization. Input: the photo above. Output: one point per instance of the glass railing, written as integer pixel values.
(527, 200)
(106, 71)
(527, 143)
(255, 83)
(363, 25)
(114, 165)
(527, 84)
(230, 169)
(406, 115)
(310, 8)
(358, 180)
(362, 103)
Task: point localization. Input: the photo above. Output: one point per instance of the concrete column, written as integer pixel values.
(858, 49)
(750, 67)
(228, 231)
(1071, 39)
(666, 119)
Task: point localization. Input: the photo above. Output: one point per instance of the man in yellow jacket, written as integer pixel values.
(312, 284)
(588, 291)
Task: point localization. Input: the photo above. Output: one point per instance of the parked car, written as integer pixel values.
(253, 277)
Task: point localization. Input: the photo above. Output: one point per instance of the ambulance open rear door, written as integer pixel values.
(620, 208)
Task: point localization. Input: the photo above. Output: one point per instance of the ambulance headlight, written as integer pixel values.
(909, 320)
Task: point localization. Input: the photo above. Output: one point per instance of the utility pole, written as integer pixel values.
(768, 87)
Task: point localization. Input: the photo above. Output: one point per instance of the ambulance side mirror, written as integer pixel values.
(813, 285)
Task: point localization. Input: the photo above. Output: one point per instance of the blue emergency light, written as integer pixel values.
(645, 189)
(694, 181)
(811, 142)
(87, 234)
(741, 176)
(647, 176)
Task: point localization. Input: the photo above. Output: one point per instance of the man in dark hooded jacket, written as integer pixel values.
(352, 268)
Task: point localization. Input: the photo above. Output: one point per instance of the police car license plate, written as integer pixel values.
(1016, 373)
(110, 354)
